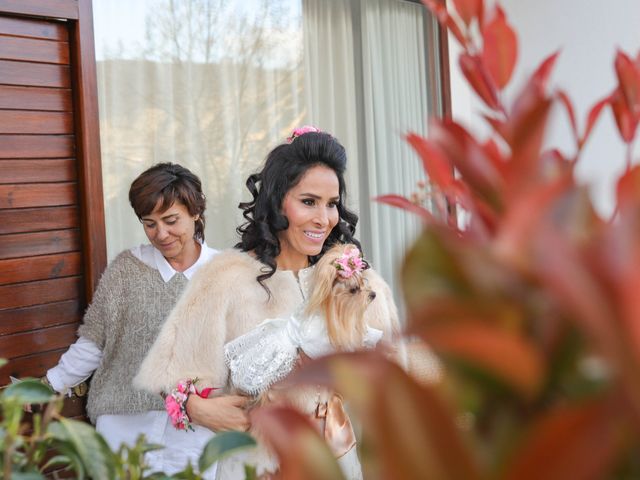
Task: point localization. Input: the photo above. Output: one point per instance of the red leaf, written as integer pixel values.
(302, 452)
(573, 441)
(477, 76)
(497, 124)
(407, 205)
(592, 117)
(468, 9)
(625, 120)
(628, 189)
(527, 129)
(522, 219)
(629, 79)
(493, 153)
(409, 432)
(467, 156)
(439, 10)
(435, 164)
(500, 49)
(486, 347)
(542, 73)
(576, 289)
(564, 99)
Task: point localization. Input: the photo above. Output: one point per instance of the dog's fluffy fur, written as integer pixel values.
(342, 301)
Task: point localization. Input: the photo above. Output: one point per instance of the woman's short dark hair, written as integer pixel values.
(168, 183)
(283, 169)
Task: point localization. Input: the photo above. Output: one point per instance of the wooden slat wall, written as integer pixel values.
(42, 269)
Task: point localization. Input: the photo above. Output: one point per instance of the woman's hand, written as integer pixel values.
(226, 412)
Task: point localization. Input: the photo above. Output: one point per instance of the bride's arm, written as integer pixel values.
(219, 413)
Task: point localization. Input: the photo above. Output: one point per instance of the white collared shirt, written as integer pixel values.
(151, 256)
(84, 356)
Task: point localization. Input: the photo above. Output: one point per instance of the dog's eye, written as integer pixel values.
(354, 290)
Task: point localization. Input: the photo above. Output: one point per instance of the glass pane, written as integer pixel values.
(210, 84)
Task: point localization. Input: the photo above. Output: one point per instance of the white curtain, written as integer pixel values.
(395, 97)
(331, 85)
(372, 50)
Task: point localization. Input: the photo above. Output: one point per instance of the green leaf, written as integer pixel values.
(250, 472)
(187, 474)
(92, 450)
(3, 362)
(27, 476)
(221, 445)
(57, 461)
(29, 391)
(75, 462)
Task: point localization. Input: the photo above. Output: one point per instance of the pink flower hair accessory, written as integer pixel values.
(298, 132)
(176, 402)
(350, 262)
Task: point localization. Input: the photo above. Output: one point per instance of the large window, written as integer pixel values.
(215, 84)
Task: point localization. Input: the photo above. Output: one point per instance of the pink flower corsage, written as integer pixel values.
(350, 262)
(301, 131)
(176, 402)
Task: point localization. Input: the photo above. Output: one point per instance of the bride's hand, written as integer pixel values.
(222, 413)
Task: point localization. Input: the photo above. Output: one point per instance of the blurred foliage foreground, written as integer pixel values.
(51, 443)
(528, 296)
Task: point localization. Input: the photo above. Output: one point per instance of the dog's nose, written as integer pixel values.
(372, 295)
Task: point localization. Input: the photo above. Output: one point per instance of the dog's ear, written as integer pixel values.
(324, 276)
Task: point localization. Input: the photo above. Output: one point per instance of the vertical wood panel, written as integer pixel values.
(39, 334)
(88, 144)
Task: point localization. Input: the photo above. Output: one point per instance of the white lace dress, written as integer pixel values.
(268, 353)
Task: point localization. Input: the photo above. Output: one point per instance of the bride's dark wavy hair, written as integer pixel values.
(283, 169)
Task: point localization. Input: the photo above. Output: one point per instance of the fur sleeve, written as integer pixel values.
(191, 341)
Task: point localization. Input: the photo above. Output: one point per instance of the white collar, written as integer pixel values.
(153, 258)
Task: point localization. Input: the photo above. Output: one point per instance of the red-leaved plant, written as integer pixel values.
(532, 302)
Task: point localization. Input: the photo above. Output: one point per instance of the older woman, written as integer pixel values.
(135, 295)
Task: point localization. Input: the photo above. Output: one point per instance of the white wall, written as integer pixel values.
(588, 32)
